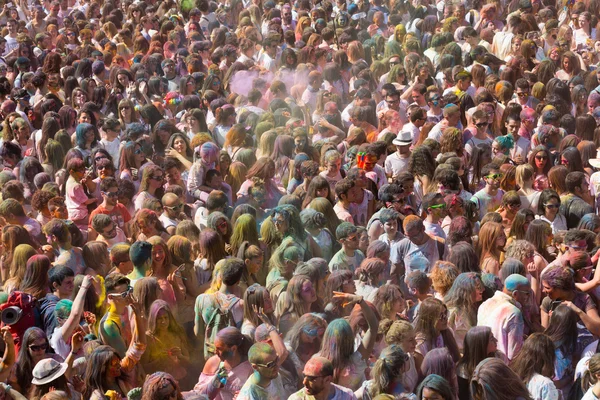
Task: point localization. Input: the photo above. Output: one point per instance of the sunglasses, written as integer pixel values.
(138, 151)
(157, 178)
(551, 206)
(523, 94)
(41, 347)
(541, 157)
(177, 207)
(495, 176)
(125, 108)
(109, 194)
(271, 364)
(481, 124)
(440, 206)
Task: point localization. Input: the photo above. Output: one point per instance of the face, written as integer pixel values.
(351, 242)
(22, 133)
(349, 286)
(300, 143)
(162, 320)
(123, 80)
(254, 264)
(552, 206)
(333, 167)
(110, 231)
(280, 223)
(37, 349)
(409, 344)
(85, 118)
(179, 145)
(523, 293)
(512, 126)
(516, 46)
(66, 287)
(566, 64)
(492, 345)
(417, 97)
(223, 351)
(501, 241)
(114, 367)
(393, 102)
(314, 385)
(493, 179)
(308, 294)
(269, 368)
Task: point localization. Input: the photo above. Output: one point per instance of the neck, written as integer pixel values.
(326, 393)
(260, 380)
(139, 271)
(226, 289)
(107, 206)
(491, 191)
(116, 309)
(432, 219)
(65, 246)
(235, 360)
(348, 252)
(550, 217)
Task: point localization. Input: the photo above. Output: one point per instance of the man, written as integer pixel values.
(172, 210)
(418, 118)
(528, 123)
(417, 251)
(268, 58)
(502, 313)
(265, 383)
(99, 71)
(434, 207)
(13, 213)
(107, 230)
(575, 240)
(361, 99)
(58, 236)
(434, 100)
(349, 257)
(438, 41)
(168, 67)
(345, 193)
(501, 45)
(11, 38)
(37, 23)
(318, 382)
(398, 161)
(489, 198)
(110, 205)
(521, 145)
(524, 98)
(217, 201)
(463, 85)
(114, 329)
(287, 22)
(418, 93)
(119, 257)
(572, 205)
(451, 119)
(309, 97)
(391, 197)
(61, 280)
(140, 254)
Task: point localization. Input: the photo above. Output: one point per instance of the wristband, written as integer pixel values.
(7, 388)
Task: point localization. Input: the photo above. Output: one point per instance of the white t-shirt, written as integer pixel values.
(56, 341)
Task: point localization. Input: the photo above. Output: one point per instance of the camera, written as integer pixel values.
(11, 315)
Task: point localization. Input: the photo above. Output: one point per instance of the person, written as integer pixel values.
(490, 197)
(318, 376)
(572, 205)
(434, 386)
(479, 344)
(265, 381)
(535, 366)
(492, 377)
(61, 240)
(502, 313)
(109, 188)
(462, 299)
(349, 257)
(387, 375)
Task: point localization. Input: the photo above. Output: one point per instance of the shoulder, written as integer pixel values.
(211, 365)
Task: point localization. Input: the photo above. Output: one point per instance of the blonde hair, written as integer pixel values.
(590, 376)
(395, 331)
(217, 279)
(524, 173)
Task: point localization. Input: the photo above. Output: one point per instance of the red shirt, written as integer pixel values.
(118, 214)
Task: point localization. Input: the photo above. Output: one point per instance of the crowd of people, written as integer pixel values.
(308, 199)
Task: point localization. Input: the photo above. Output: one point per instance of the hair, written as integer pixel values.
(426, 321)
(174, 328)
(24, 364)
(385, 298)
(293, 301)
(96, 368)
(35, 278)
(590, 375)
(370, 270)
(387, 369)
(212, 247)
(494, 380)
(244, 229)
(437, 384)
(439, 362)
(156, 386)
(487, 240)
(537, 234)
(474, 349)
(307, 323)
(442, 275)
(537, 356)
(460, 295)
(338, 345)
(464, 257)
(557, 177)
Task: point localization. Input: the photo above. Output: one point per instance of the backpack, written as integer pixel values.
(27, 304)
(219, 318)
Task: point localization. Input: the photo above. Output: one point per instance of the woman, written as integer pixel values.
(493, 379)
(50, 375)
(338, 346)
(479, 343)
(492, 241)
(164, 272)
(338, 281)
(263, 171)
(12, 236)
(35, 278)
(571, 66)
(534, 364)
(256, 297)
(131, 160)
(389, 302)
(212, 249)
(387, 375)
(87, 137)
(304, 340)
(289, 225)
(591, 378)
(300, 295)
(105, 371)
(33, 349)
(435, 387)
(548, 210)
(151, 186)
(318, 188)
(524, 176)
(127, 113)
(559, 286)
(539, 234)
(161, 385)
(431, 325)
(439, 362)
(167, 347)
(539, 159)
(562, 331)
(231, 364)
(179, 147)
(21, 255)
(585, 33)
(147, 224)
(370, 277)
(315, 225)
(556, 179)
(462, 300)
(571, 158)
(205, 158)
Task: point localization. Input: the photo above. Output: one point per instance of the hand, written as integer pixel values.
(7, 336)
(572, 306)
(171, 152)
(131, 88)
(78, 383)
(532, 269)
(89, 318)
(88, 281)
(260, 314)
(143, 87)
(77, 341)
(519, 159)
(324, 123)
(347, 298)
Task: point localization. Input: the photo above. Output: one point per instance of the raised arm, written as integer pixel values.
(77, 309)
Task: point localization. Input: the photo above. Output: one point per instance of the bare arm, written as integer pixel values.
(77, 310)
